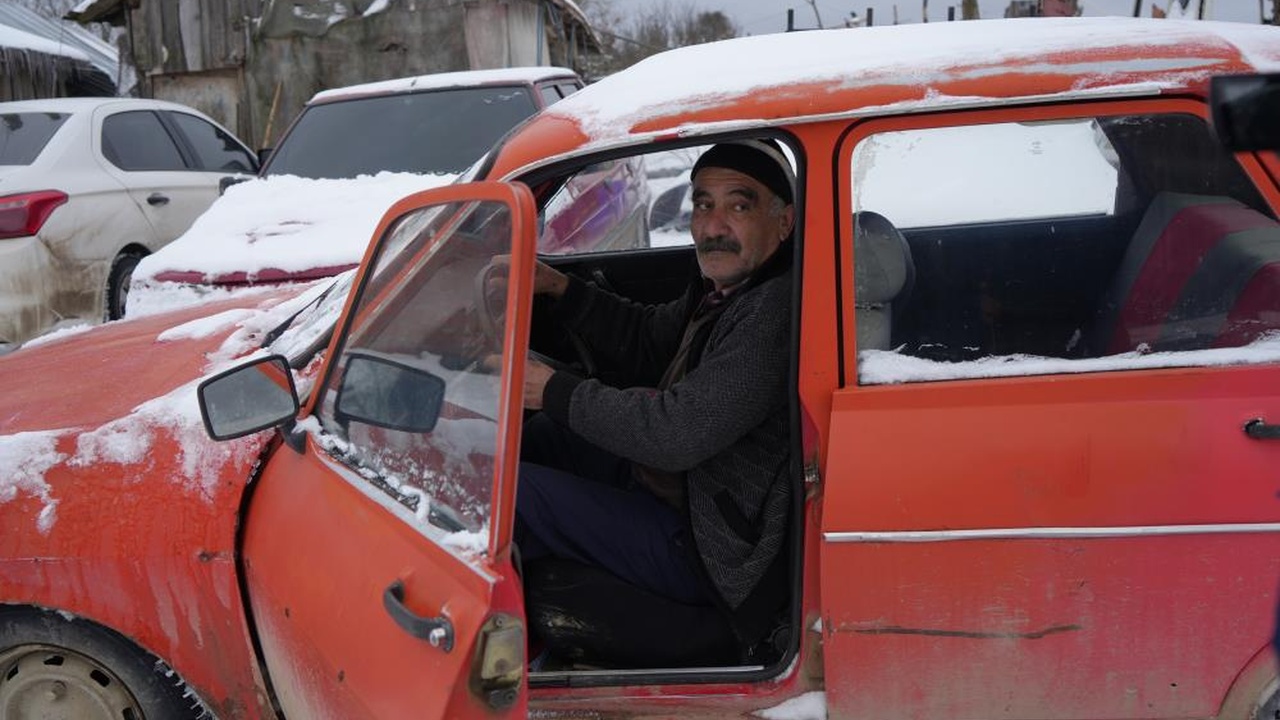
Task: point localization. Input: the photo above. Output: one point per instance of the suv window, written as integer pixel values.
(436, 132)
(215, 149)
(1066, 246)
(138, 141)
(24, 135)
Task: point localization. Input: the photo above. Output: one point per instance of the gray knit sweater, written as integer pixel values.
(724, 425)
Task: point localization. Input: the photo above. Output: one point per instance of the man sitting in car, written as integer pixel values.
(676, 479)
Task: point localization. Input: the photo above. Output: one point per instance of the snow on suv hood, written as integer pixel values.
(270, 230)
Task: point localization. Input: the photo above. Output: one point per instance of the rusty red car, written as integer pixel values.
(1035, 418)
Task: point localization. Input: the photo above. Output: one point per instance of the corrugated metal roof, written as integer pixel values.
(65, 33)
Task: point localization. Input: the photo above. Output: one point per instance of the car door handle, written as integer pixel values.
(438, 631)
(1258, 429)
(157, 199)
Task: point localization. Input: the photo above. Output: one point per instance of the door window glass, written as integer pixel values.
(138, 141)
(1066, 246)
(412, 404)
(215, 149)
(24, 135)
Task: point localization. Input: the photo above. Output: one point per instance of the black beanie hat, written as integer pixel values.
(759, 159)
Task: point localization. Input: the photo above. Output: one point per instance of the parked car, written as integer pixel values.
(1034, 468)
(90, 186)
(432, 126)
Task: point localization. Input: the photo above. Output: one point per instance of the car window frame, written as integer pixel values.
(1251, 167)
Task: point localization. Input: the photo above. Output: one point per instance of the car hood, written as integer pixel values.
(276, 229)
(108, 418)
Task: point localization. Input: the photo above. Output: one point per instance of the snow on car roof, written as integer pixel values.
(907, 67)
(11, 37)
(437, 81)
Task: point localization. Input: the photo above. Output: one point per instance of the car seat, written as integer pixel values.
(883, 277)
(1201, 271)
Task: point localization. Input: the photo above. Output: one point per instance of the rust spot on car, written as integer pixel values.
(970, 634)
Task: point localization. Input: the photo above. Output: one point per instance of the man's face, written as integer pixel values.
(736, 224)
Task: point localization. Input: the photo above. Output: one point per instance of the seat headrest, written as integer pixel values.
(882, 267)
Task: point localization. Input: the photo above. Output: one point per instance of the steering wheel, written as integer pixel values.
(490, 299)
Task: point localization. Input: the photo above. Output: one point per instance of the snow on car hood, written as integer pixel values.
(269, 230)
(123, 396)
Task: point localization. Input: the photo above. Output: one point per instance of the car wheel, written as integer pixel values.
(118, 282)
(58, 669)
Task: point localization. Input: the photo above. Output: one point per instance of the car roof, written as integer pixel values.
(82, 104)
(440, 81)
(808, 76)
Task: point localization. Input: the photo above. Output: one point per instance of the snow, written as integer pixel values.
(808, 706)
(282, 222)
(24, 459)
(438, 81)
(11, 37)
(883, 367)
(663, 85)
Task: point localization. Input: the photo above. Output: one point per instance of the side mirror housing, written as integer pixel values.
(1246, 111)
(389, 392)
(248, 398)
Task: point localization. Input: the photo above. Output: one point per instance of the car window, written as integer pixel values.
(1068, 246)
(24, 135)
(138, 141)
(436, 132)
(635, 202)
(216, 150)
(549, 94)
(567, 89)
(426, 308)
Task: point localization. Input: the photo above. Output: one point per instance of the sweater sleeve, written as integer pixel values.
(634, 340)
(739, 382)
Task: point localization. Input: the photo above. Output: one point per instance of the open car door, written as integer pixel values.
(376, 545)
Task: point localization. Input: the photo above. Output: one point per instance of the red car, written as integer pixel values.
(1035, 397)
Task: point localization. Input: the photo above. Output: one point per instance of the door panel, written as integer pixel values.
(1056, 547)
(378, 497)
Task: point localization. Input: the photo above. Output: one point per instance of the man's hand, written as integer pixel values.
(536, 375)
(546, 279)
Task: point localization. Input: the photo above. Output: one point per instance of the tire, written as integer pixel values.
(118, 282)
(58, 669)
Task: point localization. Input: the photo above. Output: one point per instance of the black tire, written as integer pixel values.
(118, 282)
(59, 669)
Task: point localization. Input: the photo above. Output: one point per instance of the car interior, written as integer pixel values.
(1185, 261)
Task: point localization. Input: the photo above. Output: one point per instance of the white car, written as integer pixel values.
(349, 155)
(88, 187)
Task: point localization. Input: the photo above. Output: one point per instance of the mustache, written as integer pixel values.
(719, 243)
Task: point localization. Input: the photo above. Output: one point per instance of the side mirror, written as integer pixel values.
(1246, 111)
(667, 210)
(389, 392)
(245, 399)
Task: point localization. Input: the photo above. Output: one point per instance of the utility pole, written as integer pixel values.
(969, 10)
(1137, 8)
(924, 11)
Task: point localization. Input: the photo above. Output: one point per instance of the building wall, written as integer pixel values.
(278, 53)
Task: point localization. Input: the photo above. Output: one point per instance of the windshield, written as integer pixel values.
(24, 135)
(442, 131)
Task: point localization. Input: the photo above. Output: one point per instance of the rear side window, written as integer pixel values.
(1076, 245)
(138, 141)
(216, 150)
(24, 135)
(436, 132)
